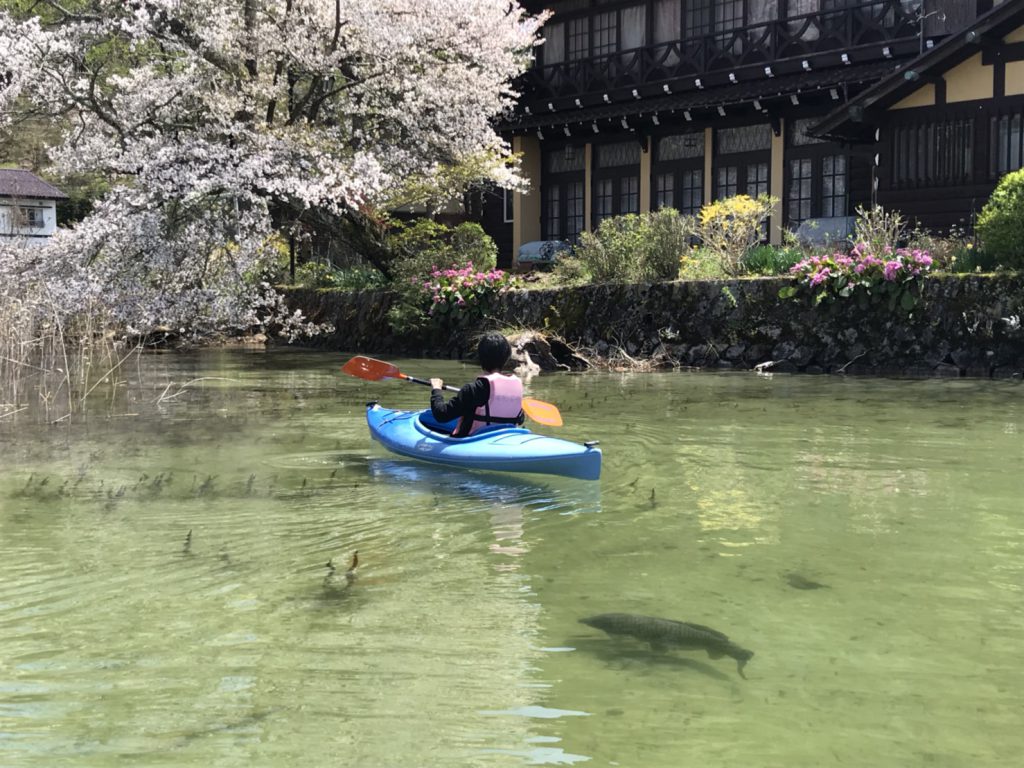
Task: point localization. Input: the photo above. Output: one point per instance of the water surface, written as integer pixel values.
(164, 598)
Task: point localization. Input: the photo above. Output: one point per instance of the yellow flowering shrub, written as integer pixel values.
(731, 227)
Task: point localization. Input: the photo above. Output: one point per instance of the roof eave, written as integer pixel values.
(872, 103)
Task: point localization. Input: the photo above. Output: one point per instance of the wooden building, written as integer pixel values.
(28, 207)
(637, 104)
(945, 128)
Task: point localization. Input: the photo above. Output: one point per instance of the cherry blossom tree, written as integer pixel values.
(222, 123)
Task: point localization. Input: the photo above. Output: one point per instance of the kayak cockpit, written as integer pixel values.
(427, 424)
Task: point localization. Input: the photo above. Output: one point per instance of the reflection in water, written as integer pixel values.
(163, 600)
(507, 498)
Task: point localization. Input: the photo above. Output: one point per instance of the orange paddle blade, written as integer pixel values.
(370, 369)
(541, 412)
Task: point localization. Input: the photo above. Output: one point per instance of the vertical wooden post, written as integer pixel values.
(776, 187)
(645, 176)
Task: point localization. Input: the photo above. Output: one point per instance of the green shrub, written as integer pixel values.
(633, 248)
(359, 278)
(669, 239)
(470, 243)
(970, 259)
(701, 264)
(879, 229)
(771, 260)
(570, 269)
(611, 253)
(422, 246)
(313, 274)
(1001, 223)
(320, 275)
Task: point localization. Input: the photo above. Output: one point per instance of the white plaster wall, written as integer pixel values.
(9, 219)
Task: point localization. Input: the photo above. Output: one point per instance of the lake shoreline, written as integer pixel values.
(962, 326)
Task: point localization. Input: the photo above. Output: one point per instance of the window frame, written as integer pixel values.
(507, 206)
(616, 176)
(815, 154)
(678, 168)
(564, 181)
(924, 155)
(743, 162)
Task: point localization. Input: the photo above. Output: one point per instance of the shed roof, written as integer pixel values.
(848, 121)
(18, 183)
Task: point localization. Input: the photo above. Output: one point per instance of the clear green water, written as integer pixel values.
(459, 644)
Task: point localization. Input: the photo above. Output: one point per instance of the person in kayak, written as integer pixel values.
(491, 398)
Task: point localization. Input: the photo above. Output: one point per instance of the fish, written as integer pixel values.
(796, 581)
(666, 633)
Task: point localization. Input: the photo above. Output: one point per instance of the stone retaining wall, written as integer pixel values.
(963, 326)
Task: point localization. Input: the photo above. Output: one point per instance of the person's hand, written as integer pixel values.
(437, 383)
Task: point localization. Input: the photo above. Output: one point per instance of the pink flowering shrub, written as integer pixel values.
(890, 275)
(463, 294)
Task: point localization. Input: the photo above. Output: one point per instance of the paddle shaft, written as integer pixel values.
(407, 377)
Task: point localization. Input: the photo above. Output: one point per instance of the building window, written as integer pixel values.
(667, 25)
(728, 181)
(687, 146)
(562, 193)
(575, 212)
(679, 169)
(800, 177)
(30, 218)
(1007, 152)
(817, 179)
(508, 209)
(743, 162)
(933, 154)
(664, 190)
(833, 185)
(629, 195)
(797, 132)
(553, 217)
(579, 39)
(604, 198)
(621, 154)
(553, 50)
(616, 179)
(605, 29)
(692, 192)
(749, 138)
(728, 15)
(817, 176)
(757, 179)
(698, 17)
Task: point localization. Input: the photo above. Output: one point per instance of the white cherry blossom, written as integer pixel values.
(223, 122)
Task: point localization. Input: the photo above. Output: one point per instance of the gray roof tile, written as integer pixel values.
(19, 183)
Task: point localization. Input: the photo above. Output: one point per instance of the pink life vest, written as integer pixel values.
(504, 406)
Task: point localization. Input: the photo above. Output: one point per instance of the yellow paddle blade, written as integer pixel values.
(541, 412)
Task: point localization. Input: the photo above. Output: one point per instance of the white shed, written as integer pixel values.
(28, 206)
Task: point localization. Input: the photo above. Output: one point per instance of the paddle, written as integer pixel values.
(375, 370)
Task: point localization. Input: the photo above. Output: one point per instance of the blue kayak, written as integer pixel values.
(499, 448)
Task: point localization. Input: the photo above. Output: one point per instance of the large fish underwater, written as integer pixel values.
(667, 633)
